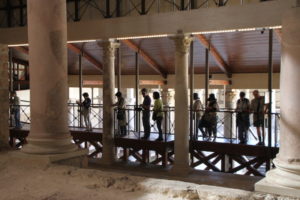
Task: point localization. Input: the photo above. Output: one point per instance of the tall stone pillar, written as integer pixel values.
(109, 49)
(229, 118)
(4, 97)
(47, 34)
(285, 178)
(181, 163)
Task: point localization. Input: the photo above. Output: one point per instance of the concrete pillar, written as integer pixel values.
(47, 34)
(4, 97)
(181, 163)
(109, 49)
(285, 178)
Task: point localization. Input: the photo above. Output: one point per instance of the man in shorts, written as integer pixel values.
(258, 110)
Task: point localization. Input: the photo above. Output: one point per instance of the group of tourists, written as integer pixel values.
(145, 108)
(244, 108)
(206, 119)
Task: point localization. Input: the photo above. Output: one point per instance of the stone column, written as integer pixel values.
(4, 97)
(181, 163)
(228, 120)
(47, 34)
(109, 49)
(285, 178)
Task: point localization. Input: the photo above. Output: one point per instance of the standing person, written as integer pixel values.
(258, 109)
(15, 109)
(242, 118)
(210, 119)
(121, 113)
(158, 114)
(146, 113)
(86, 110)
(197, 108)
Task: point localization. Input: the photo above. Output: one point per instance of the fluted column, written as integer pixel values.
(109, 49)
(47, 34)
(4, 97)
(285, 178)
(181, 163)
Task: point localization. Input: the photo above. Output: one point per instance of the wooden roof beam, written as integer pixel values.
(214, 52)
(86, 55)
(152, 63)
(278, 33)
(22, 49)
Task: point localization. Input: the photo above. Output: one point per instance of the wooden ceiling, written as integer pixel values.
(242, 52)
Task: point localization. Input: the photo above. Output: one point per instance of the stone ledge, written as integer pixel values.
(78, 157)
(267, 187)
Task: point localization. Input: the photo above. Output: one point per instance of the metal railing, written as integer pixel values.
(226, 126)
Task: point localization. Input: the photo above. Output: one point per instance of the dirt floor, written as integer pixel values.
(24, 180)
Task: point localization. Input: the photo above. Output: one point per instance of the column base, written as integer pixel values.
(284, 180)
(49, 146)
(268, 187)
(76, 158)
(180, 170)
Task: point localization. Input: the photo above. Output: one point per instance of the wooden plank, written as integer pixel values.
(22, 49)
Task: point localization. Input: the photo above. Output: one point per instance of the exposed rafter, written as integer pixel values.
(22, 49)
(278, 33)
(214, 52)
(152, 63)
(86, 55)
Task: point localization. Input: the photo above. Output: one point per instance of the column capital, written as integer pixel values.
(109, 47)
(182, 42)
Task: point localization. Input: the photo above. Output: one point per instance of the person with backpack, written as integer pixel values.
(209, 119)
(242, 118)
(158, 114)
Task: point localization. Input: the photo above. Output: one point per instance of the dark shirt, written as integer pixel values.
(147, 102)
(86, 103)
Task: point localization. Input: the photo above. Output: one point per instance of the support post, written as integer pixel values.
(80, 87)
(137, 79)
(118, 8)
(206, 75)
(4, 98)
(107, 9)
(119, 68)
(181, 162)
(192, 114)
(77, 10)
(109, 49)
(143, 7)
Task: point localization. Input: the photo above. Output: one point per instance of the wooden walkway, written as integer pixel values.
(221, 155)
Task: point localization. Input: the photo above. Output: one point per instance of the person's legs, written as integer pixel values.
(197, 129)
(146, 124)
(201, 126)
(158, 124)
(240, 133)
(17, 118)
